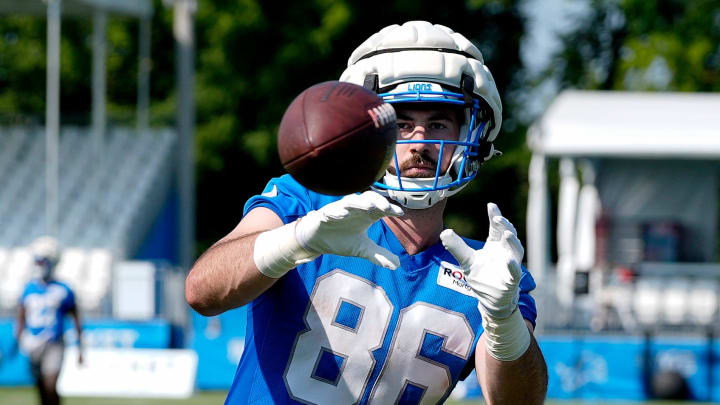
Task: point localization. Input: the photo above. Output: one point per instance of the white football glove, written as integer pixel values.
(338, 228)
(493, 273)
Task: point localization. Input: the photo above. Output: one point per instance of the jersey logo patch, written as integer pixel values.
(452, 277)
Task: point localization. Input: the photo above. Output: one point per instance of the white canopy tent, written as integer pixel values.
(653, 125)
(644, 157)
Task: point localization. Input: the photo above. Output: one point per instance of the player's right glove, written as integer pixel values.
(338, 228)
(494, 273)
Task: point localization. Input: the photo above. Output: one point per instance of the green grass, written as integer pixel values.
(27, 396)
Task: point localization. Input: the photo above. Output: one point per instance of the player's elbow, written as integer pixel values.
(195, 297)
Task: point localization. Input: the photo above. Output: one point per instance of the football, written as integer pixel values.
(337, 138)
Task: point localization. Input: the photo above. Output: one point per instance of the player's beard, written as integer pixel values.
(417, 159)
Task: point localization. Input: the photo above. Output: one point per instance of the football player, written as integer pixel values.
(41, 314)
(328, 323)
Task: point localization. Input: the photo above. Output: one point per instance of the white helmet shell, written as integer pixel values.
(46, 247)
(403, 53)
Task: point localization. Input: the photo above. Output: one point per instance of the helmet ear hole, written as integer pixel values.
(467, 85)
(371, 82)
(485, 114)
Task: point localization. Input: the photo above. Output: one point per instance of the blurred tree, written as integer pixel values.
(253, 58)
(643, 45)
(22, 68)
(640, 45)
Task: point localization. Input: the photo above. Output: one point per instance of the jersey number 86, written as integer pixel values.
(350, 345)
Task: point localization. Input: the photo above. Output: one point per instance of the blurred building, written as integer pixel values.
(630, 273)
(636, 238)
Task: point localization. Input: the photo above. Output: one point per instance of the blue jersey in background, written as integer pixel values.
(341, 330)
(46, 305)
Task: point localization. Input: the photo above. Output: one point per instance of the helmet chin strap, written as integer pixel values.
(416, 200)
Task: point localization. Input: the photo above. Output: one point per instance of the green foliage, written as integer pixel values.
(669, 45)
(253, 57)
(22, 68)
(640, 45)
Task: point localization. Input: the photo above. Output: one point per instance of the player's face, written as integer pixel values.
(418, 124)
(45, 266)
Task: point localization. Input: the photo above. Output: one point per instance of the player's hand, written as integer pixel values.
(338, 228)
(341, 228)
(494, 273)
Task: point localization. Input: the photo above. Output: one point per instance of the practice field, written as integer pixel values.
(27, 396)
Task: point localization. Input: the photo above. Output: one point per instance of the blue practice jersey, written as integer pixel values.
(341, 330)
(46, 305)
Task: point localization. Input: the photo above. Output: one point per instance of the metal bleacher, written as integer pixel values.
(109, 196)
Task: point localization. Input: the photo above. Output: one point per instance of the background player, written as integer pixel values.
(41, 314)
(327, 324)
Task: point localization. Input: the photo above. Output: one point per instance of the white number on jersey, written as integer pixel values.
(40, 308)
(354, 345)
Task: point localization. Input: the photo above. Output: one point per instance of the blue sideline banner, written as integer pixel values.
(101, 333)
(688, 356)
(219, 342)
(621, 368)
(594, 367)
(580, 367)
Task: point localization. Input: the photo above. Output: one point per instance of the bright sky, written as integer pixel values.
(546, 19)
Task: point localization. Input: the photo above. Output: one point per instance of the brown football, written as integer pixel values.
(337, 138)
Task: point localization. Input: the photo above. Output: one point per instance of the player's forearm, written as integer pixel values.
(225, 277)
(521, 381)
(78, 327)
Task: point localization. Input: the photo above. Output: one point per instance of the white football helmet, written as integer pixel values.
(419, 62)
(46, 253)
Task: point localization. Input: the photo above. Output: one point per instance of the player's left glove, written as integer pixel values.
(493, 273)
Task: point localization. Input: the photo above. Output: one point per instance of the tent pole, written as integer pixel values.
(566, 235)
(537, 229)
